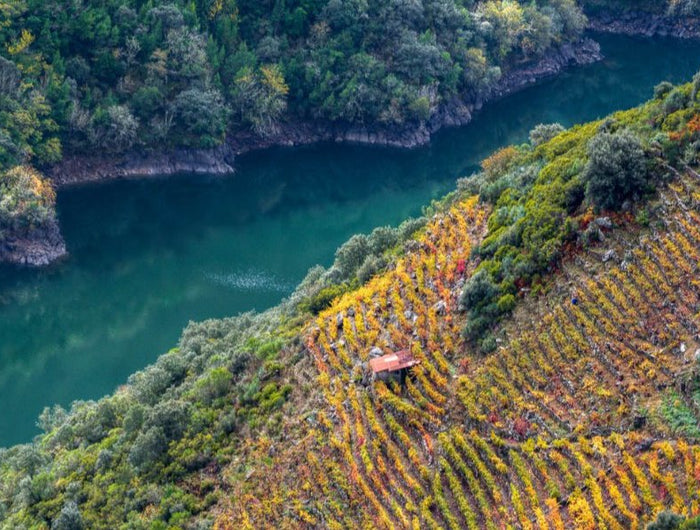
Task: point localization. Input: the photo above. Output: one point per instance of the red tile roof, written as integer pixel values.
(393, 361)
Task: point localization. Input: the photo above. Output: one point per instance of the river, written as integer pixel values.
(147, 256)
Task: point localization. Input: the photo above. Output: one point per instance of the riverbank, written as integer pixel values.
(35, 248)
(84, 169)
(220, 161)
(644, 24)
(453, 113)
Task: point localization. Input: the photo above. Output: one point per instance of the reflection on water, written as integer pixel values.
(148, 256)
(251, 281)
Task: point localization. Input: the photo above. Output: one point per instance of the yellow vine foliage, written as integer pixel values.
(507, 440)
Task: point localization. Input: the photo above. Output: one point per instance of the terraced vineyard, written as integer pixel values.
(543, 433)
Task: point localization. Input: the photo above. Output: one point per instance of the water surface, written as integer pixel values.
(147, 256)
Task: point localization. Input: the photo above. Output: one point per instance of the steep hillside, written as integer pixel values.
(555, 318)
(561, 427)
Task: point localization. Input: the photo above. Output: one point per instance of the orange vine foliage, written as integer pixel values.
(506, 440)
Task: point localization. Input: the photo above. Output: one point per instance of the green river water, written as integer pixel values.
(147, 256)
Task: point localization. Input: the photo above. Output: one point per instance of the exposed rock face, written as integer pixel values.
(80, 169)
(645, 24)
(586, 51)
(35, 248)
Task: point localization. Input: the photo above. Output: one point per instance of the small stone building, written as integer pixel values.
(393, 362)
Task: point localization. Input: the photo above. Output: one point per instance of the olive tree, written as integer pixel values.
(352, 254)
(616, 170)
(69, 518)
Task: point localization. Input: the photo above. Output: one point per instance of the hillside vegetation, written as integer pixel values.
(123, 73)
(574, 404)
(123, 76)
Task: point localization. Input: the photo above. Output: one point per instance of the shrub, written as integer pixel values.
(666, 521)
(148, 447)
(420, 108)
(543, 133)
(488, 344)
(506, 303)
(309, 286)
(500, 161)
(170, 416)
(370, 268)
(323, 298)
(662, 90)
(148, 385)
(696, 88)
(27, 200)
(382, 239)
(352, 254)
(51, 418)
(675, 101)
(410, 226)
(616, 170)
(478, 292)
(479, 299)
(216, 384)
(69, 518)
(134, 418)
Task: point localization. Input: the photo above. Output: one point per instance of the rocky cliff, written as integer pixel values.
(90, 168)
(35, 248)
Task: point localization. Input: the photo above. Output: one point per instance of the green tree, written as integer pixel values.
(260, 98)
(543, 133)
(200, 117)
(69, 518)
(616, 170)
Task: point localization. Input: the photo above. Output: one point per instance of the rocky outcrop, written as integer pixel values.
(645, 24)
(80, 169)
(35, 248)
(586, 51)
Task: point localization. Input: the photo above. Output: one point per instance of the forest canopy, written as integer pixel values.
(120, 74)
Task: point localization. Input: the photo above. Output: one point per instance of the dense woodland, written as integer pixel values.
(271, 420)
(671, 8)
(120, 74)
